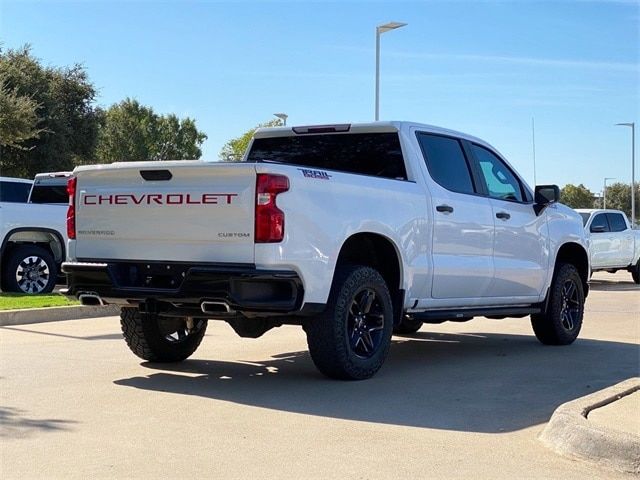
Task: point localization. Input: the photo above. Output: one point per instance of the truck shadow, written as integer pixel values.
(485, 383)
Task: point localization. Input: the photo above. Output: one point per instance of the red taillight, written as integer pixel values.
(71, 211)
(269, 218)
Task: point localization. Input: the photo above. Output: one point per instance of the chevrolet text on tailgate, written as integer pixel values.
(351, 231)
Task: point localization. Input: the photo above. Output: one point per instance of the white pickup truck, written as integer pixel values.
(613, 244)
(33, 236)
(351, 231)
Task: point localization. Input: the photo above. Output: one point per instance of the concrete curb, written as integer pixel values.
(571, 434)
(54, 314)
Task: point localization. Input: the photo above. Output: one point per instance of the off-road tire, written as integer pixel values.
(561, 323)
(147, 336)
(330, 336)
(635, 273)
(24, 257)
(407, 325)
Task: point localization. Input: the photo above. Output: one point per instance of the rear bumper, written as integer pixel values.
(243, 288)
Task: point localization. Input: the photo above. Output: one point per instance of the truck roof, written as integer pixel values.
(366, 127)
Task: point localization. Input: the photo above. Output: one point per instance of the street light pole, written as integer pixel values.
(604, 191)
(380, 29)
(633, 169)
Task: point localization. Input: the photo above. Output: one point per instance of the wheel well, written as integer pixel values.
(577, 256)
(375, 251)
(44, 238)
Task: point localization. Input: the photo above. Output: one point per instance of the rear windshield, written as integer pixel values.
(377, 154)
(49, 194)
(17, 192)
(585, 218)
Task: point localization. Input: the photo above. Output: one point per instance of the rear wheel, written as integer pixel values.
(561, 323)
(351, 339)
(161, 339)
(29, 269)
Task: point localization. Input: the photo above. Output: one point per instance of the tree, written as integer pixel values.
(576, 196)
(234, 149)
(619, 198)
(67, 126)
(130, 131)
(18, 117)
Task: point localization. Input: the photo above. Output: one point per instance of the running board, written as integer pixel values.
(439, 316)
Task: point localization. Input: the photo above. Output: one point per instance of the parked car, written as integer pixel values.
(350, 231)
(33, 236)
(15, 190)
(613, 244)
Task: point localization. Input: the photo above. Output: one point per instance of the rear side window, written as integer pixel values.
(500, 181)
(17, 192)
(599, 223)
(377, 154)
(49, 194)
(446, 162)
(616, 222)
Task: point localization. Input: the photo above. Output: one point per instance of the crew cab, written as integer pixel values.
(352, 231)
(33, 235)
(613, 244)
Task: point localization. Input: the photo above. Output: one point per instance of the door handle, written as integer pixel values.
(503, 216)
(444, 209)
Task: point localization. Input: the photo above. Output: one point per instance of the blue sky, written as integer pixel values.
(482, 67)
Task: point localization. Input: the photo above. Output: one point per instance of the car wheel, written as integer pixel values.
(161, 339)
(635, 273)
(351, 339)
(561, 323)
(30, 269)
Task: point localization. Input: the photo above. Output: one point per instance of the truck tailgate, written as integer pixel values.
(170, 211)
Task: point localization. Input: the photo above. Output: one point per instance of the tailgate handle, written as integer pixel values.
(156, 174)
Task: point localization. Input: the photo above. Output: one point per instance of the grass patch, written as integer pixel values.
(18, 301)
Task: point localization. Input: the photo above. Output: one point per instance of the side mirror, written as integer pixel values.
(597, 228)
(545, 195)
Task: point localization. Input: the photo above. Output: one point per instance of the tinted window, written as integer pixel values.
(501, 183)
(585, 218)
(599, 223)
(446, 162)
(14, 192)
(49, 194)
(616, 222)
(377, 154)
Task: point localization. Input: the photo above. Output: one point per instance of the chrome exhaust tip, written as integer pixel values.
(215, 307)
(90, 299)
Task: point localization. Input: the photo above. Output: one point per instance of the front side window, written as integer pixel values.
(501, 183)
(616, 222)
(599, 224)
(446, 162)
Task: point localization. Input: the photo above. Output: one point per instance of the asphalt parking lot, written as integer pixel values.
(452, 401)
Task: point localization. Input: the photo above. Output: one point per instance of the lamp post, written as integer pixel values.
(604, 191)
(633, 169)
(283, 117)
(380, 29)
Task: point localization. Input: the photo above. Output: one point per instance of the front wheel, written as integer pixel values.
(561, 323)
(351, 339)
(635, 273)
(161, 339)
